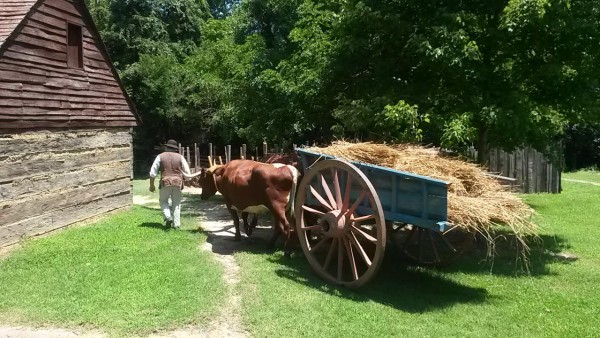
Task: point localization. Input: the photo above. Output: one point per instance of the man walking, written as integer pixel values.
(170, 164)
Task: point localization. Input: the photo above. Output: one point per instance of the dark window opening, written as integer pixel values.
(74, 46)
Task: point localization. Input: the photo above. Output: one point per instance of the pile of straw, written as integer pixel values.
(476, 202)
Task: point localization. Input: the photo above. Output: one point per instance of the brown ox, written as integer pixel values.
(288, 159)
(253, 187)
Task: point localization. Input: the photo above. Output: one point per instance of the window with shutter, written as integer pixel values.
(74, 46)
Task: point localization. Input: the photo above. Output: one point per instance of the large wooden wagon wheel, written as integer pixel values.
(427, 247)
(340, 223)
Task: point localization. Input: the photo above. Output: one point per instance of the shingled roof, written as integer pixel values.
(12, 13)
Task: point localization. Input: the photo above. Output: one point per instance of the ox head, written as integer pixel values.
(208, 181)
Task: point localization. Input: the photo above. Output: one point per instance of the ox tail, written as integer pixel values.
(292, 199)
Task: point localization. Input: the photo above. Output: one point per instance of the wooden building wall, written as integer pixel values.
(38, 89)
(51, 179)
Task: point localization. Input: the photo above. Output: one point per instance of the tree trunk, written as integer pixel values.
(483, 148)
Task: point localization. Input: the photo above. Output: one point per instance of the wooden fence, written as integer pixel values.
(525, 170)
(204, 155)
(532, 171)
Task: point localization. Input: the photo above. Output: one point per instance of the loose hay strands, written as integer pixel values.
(476, 202)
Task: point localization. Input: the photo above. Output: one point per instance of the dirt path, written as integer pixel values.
(580, 181)
(216, 221)
(228, 323)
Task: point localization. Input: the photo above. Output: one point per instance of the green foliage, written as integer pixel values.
(402, 122)
(458, 132)
(502, 73)
(153, 84)
(155, 27)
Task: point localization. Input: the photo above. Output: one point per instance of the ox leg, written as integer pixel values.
(276, 231)
(236, 224)
(254, 221)
(247, 228)
(282, 225)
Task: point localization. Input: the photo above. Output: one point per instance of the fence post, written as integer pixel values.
(210, 151)
(265, 148)
(228, 153)
(530, 178)
(196, 155)
(244, 154)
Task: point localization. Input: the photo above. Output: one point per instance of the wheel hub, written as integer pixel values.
(334, 223)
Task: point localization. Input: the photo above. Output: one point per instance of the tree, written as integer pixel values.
(154, 27)
(500, 73)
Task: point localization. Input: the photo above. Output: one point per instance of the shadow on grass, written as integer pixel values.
(155, 225)
(397, 284)
(508, 259)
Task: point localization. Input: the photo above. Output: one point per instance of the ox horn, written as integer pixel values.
(192, 175)
(213, 168)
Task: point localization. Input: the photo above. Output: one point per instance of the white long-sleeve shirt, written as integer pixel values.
(155, 169)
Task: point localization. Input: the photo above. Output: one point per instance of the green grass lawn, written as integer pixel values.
(584, 175)
(126, 275)
(473, 298)
(123, 275)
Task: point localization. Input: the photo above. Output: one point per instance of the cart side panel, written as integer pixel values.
(409, 198)
(405, 197)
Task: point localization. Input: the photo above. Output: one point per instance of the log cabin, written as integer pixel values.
(66, 121)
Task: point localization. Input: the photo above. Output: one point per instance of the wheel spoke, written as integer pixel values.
(408, 238)
(316, 247)
(312, 227)
(336, 185)
(328, 192)
(448, 243)
(433, 246)
(363, 218)
(356, 203)
(347, 193)
(400, 227)
(365, 235)
(311, 210)
(330, 254)
(360, 249)
(320, 198)
(350, 254)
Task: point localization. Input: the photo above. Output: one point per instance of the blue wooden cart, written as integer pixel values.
(347, 211)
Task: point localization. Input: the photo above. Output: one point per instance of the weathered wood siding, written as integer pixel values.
(51, 179)
(38, 89)
(11, 14)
